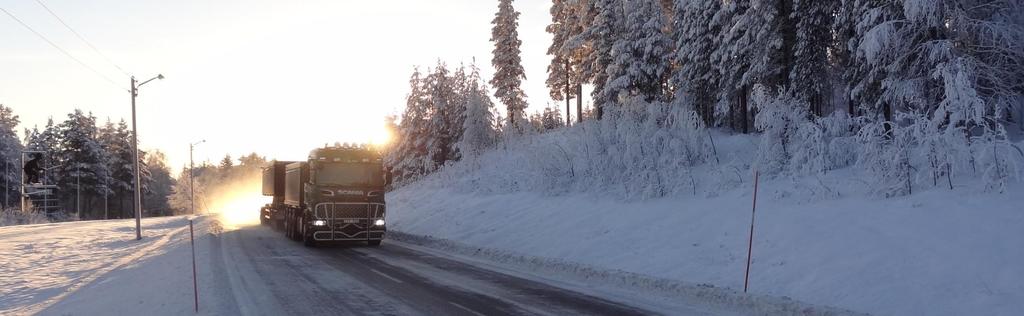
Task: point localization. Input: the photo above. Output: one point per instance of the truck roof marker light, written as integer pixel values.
(337, 159)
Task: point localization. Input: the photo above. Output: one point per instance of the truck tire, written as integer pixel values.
(307, 236)
(296, 234)
(373, 243)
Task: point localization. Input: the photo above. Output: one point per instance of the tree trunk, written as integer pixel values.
(743, 110)
(568, 106)
(579, 102)
(887, 113)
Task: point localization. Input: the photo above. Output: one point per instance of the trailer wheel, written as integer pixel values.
(287, 227)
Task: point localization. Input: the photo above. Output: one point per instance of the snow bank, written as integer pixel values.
(824, 239)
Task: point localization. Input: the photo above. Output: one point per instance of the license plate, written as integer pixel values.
(350, 221)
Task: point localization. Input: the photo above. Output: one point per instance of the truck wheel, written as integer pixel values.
(373, 243)
(307, 236)
(296, 234)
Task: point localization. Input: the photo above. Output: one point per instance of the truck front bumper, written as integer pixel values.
(348, 222)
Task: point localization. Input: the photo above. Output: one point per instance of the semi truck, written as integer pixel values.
(337, 194)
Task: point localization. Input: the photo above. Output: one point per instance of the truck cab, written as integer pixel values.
(336, 195)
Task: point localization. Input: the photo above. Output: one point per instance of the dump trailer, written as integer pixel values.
(336, 195)
(273, 185)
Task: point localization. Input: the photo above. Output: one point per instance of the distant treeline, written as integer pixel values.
(90, 163)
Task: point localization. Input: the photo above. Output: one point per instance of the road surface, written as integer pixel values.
(268, 274)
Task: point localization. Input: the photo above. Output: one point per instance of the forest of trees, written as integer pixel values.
(90, 162)
(906, 89)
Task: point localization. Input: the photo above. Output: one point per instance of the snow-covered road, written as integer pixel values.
(97, 268)
(267, 274)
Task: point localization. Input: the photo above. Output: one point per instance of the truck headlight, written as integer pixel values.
(319, 223)
(379, 222)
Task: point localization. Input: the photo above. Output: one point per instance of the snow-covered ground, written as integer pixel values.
(822, 239)
(46, 263)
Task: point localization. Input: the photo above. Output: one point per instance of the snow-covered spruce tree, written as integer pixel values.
(603, 33)
(733, 60)
(407, 159)
(84, 159)
(809, 73)
(155, 202)
(447, 113)
(697, 36)
(509, 73)
(10, 157)
(551, 118)
(47, 141)
(641, 56)
(116, 140)
(478, 130)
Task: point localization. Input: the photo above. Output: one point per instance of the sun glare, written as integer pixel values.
(238, 205)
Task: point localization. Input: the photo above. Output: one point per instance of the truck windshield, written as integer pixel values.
(366, 174)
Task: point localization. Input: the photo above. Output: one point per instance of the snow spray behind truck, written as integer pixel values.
(336, 195)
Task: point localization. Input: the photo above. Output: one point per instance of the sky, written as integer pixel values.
(273, 77)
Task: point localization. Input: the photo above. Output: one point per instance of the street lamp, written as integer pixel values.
(135, 153)
(191, 176)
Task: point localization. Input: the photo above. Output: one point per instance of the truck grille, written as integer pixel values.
(349, 210)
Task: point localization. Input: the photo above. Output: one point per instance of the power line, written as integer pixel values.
(60, 49)
(82, 38)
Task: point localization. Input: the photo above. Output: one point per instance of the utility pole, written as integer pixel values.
(78, 192)
(134, 91)
(191, 175)
(7, 183)
(135, 157)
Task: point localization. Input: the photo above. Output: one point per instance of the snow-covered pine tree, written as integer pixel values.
(758, 50)
(508, 68)
(697, 36)
(551, 118)
(48, 141)
(447, 112)
(582, 15)
(116, 140)
(864, 65)
(809, 72)
(478, 130)
(733, 60)
(10, 157)
(605, 30)
(84, 166)
(560, 82)
(155, 202)
(640, 63)
(405, 160)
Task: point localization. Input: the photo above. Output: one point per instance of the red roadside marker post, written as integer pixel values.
(195, 285)
(750, 241)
